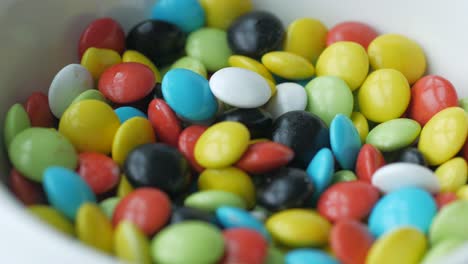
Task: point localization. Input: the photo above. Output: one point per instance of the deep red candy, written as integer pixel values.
(126, 82)
(148, 208)
(37, 107)
(105, 33)
(186, 145)
(164, 121)
(430, 95)
(27, 191)
(263, 157)
(350, 241)
(442, 199)
(368, 161)
(243, 245)
(465, 151)
(348, 200)
(352, 31)
(99, 171)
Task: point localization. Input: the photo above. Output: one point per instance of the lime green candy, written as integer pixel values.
(442, 249)
(394, 134)
(91, 94)
(213, 199)
(210, 46)
(343, 176)
(108, 206)
(188, 242)
(450, 223)
(464, 103)
(130, 244)
(35, 149)
(190, 64)
(16, 120)
(53, 217)
(329, 96)
(275, 256)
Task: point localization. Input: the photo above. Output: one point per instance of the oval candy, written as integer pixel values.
(368, 161)
(264, 157)
(126, 112)
(91, 94)
(394, 134)
(299, 256)
(412, 155)
(443, 199)
(103, 33)
(27, 191)
(343, 176)
(164, 121)
(344, 141)
(96, 61)
(100, 172)
(187, 15)
(186, 144)
(54, 218)
(192, 64)
(354, 31)
(108, 206)
(135, 56)
(350, 241)
(38, 109)
(240, 242)
(16, 120)
(94, 228)
(289, 97)
(450, 222)
(452, 174)
(361, 124)
(181, 214)
(306, 37)
(222, 14)
(130, 244)
(320, 170)
(250, 64)
(211, 200)
(288, 65)
(233, 217)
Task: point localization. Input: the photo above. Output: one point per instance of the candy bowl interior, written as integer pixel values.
(40, 37)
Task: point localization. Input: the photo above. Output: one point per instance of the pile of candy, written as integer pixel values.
(254, 144)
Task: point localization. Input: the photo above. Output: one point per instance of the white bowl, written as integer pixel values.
(39, 37)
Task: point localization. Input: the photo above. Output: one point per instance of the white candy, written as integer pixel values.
(399, 175)
(239, 87)
(289, 97)
(67, 84)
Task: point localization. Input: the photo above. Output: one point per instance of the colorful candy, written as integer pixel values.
(104, 33)
(187, 15)
(306, 37)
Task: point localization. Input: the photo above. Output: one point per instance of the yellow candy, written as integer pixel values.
(124, 187)
(306, 37)
(384, 95)
(272, 87)
(299, 228)
(462, 192)
(400, 53)
(96, 61)
(53, 217)
(288, 65)
(220, 14)
(452, 174)
(94, 228)
(444, 135)
(405, 245)
(222, 145)
(90, 125)
(360, 122)
(250, 64)
(344, 59)
(130, 244)
(135, 56)
(131, 134)
(229, 179)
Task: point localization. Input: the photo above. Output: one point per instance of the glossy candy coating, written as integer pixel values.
(443, 199)
(368, 161)
(96, 61)
(135, 56)
(306, 37)
(104, 33)
(250, 64)
(188, 15)
(320, 171)
(108, 206)
(358, 32)
(264, 157)
(344, 141)
(186, 144)
(343, 176)
(164, 121)
(37, 107)
(90, 94)
(361, 124)
(288, 65)
(100, 172)
(232, 217)
(257, 120)
(394, 134)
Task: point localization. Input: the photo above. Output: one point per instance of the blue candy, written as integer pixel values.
(404, 207)
(345, 141)
(231, 217)
(189, 95)
(188, 15)
(126, 112)
(320, 170)
(66, 191)
(309, 256)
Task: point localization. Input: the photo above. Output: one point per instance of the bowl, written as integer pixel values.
(40, 37)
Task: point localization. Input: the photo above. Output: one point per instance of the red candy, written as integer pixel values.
(352, 31)
(187, 140)
(350, 241)
(126, 82)
(104, 33)
(348, 200)
(37, 107)
(164, 121)
(465, 151)
(28, 192)
(243, 245)
(99, 171)
(263, 157)
(430, 95)
(368, 161)
(148, 208)
(442, 199)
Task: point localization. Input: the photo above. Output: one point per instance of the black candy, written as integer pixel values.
(255, 34)
(411, 155)
(258, 121)
(187, 213)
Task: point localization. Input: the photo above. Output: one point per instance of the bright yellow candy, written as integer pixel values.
(90, 125)
(222, 145)
(53, 217)
(400, 53)
(444, 135)
(124, 187)
(345, 59)
(288, 65)
(360, 122)
(229, 179)
(130, 244)
(135, 56)
(220, 14)
(132, 133)
(299, 228)
(96, 61)
(94, 228)
(306, 37)
(384, 95)
(462, 192)
(405, 245)
(250, 64)
(452, 174)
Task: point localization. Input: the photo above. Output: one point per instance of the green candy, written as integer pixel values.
(108, 206)
(213, 199)
(188, 242)
(35, 149)
(190, 64)
(275, 256)
(343, 176)
(210, 46)
(464, 103)
(328, 96)
(450, 223)
(436, 254)
(16, 120)
(91, 94)
(394, 134)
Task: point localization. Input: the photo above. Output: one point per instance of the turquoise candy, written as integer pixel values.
(320, 171)
(232, 217)
(394, 134)
(126, 112)
(315, 256)
(188, 15)
(345, 141)
(66, 191)
(16, 120)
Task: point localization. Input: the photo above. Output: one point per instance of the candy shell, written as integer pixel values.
(96, 61)
(211, 200)
(361, 124)
(187, 15)
(350, 241)
(320, 170)
(438, 252)
(368, 161)
(94, 228)
(192, 64)
(164, 121)
(358, 32)
(27, 191)
(306, 37)
(239, 243)
(100, 172)
(443, 199)
(315, 256)
(250, 64)
(263, 157)
(343, 176)
(90, 95)
(222, 14)
(394, 134)
(38, 109)
(412, 155)
(450, 223)
(233, 217)
(135, 56)
(54, 218)
(124, 187)
(108, 206)
(103, 33)
(186, 144)
(16, 120)
(130, 244)
(126, 112)
(289, 97)
(452, 174)
(288, 65)
(345, 141)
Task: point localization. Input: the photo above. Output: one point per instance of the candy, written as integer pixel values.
(443, 199)
(222, 14)
(27, 191)
(232, 217)
(288, 65)
(131, 244)
(412, 155)
(96, 61)
(108, 206)
(437, 253)
(289, 97)
(306, 37)
(211, 200)
(104, 33)
(164, 121)
(350, 241)
(16, 120)
(94, 228)
(250, 64)
(394, 134)
(188, 213)
(320, 170)
(343, 176)
(264, 157)
(37, 107)
(368, 161)
(358, 32)
(299, 256)
(450, 223)
(127, 112)
(274, 256)
(90, 95)
(186, 144)
(192, 64)
(344, 141)
(100, 172)
(124, 187)
(187, 15)
(239, 243)
(361, 124)
(135, 56)
(54, 218)
(257, 120)
(452, 174)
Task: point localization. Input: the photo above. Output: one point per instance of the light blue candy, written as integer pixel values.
(345, 141)
(189, 95)
(404, 207)
(232, 217)
(188, 15)
(309, 256)
(320, 171)
(66, 191)
(126, 112)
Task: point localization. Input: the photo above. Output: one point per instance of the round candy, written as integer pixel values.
(299, 256)
(135, 56)
(90, 125)
(188, 15)
(100, 172)
(211, 200)
(37, 107)
(232, 217)
(96, 61)
(27, 191)
(394, 134)
(288, 65)
(368, 161)
(264, 157)
(188, 213)
(320, 170)
(16, 120)
(250, 64)
(452, 174)
(412, 155)
(384, 95)
(53, 217)
(186, 144)
(358, 32)
(105, 33)
(306, 37)
(257, 120)
(108, 206)
(94, 228)
(361, 124)
(244, 246)
(164, 121)
(222, 14)
(126, 112)
(192, 64)
(345, 141)
(91, 94)
(289, 97)
(130, 244)
(350, 241)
